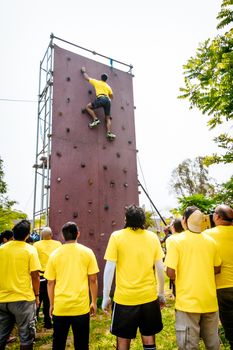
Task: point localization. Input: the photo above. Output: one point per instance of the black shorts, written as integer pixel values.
(102, 101)
(127, 319)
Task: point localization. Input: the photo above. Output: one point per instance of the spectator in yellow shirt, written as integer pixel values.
(192, 260)
(136, 254)
(44, 248)
(71, 270)
(223, 236)
(19, 287)
(104, 95)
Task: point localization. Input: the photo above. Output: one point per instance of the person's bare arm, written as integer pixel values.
(50, 288)
(111, 96)
(35, 277)
(217, 269)
(171, 273)
(93, 285)
(85, 75)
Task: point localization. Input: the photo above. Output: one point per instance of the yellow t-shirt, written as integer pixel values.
(168, 240)
(44, 248)
(135, 254)
(193, 257)
(101, 88)
(17, 260)
(223, 236)
(70, 266)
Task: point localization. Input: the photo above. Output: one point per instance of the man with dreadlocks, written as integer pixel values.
(137, 255)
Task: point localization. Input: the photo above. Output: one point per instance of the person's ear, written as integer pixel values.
(78, 235)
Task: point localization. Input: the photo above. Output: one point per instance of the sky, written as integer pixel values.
(156, 37)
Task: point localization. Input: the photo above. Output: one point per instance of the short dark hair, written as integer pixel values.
(21, 230)
(7, 234)
(70, 231)
(104, 77)
(135, 217)
(177, 225)
(188, 211)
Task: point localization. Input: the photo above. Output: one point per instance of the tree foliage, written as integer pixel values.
(225, 193)
(7, 215)
(192, 177)
(206, 203)
(208, 82)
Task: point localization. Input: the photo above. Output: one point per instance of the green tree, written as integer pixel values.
(7, 215)
(149, 219)
(192, 177)
(206, 203)
(208, 83)
(225, 193)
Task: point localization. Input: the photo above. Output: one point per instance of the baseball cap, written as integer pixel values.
(195, 221)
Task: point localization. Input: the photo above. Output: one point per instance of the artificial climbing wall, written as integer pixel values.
(92, 179)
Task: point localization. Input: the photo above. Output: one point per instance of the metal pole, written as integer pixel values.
(139, 183)
(37, 146)
(93, 52)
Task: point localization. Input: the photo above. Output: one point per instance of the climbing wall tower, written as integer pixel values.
(90, 180)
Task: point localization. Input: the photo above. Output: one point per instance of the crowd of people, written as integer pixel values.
(63, 277)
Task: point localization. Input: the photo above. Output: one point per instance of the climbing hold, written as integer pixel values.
(91, 232)
(58, 179)
(68, 130)
(126, 185)
(47, 187)
(59, 211)
(49, 135)
(90, 202)
(75, 214)
(122, 107)
(83, 165)
(89, 211)
(129, 142)
(123, 127)
(118, 155)
(67, 197)
(102, 234)
(134, 107)
(105, 167)
(58, 154)
(83, 110)
(90, 92)
(68, 100)
(60, 114)
(106, 206)
(75, 147)
(90, 182)
(125, 170)
(68, 59)
(113, 223)
(112, 183)
(68, 79)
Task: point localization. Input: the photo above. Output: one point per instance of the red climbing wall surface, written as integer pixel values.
(92, 179)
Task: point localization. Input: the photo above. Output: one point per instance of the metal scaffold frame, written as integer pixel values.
(43, 139)
(44, 127)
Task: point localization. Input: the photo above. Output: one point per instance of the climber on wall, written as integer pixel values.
(103, 99)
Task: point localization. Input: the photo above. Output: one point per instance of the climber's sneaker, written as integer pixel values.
(110, 136)
(94, 123)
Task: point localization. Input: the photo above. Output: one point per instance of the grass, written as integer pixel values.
(101, 338)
